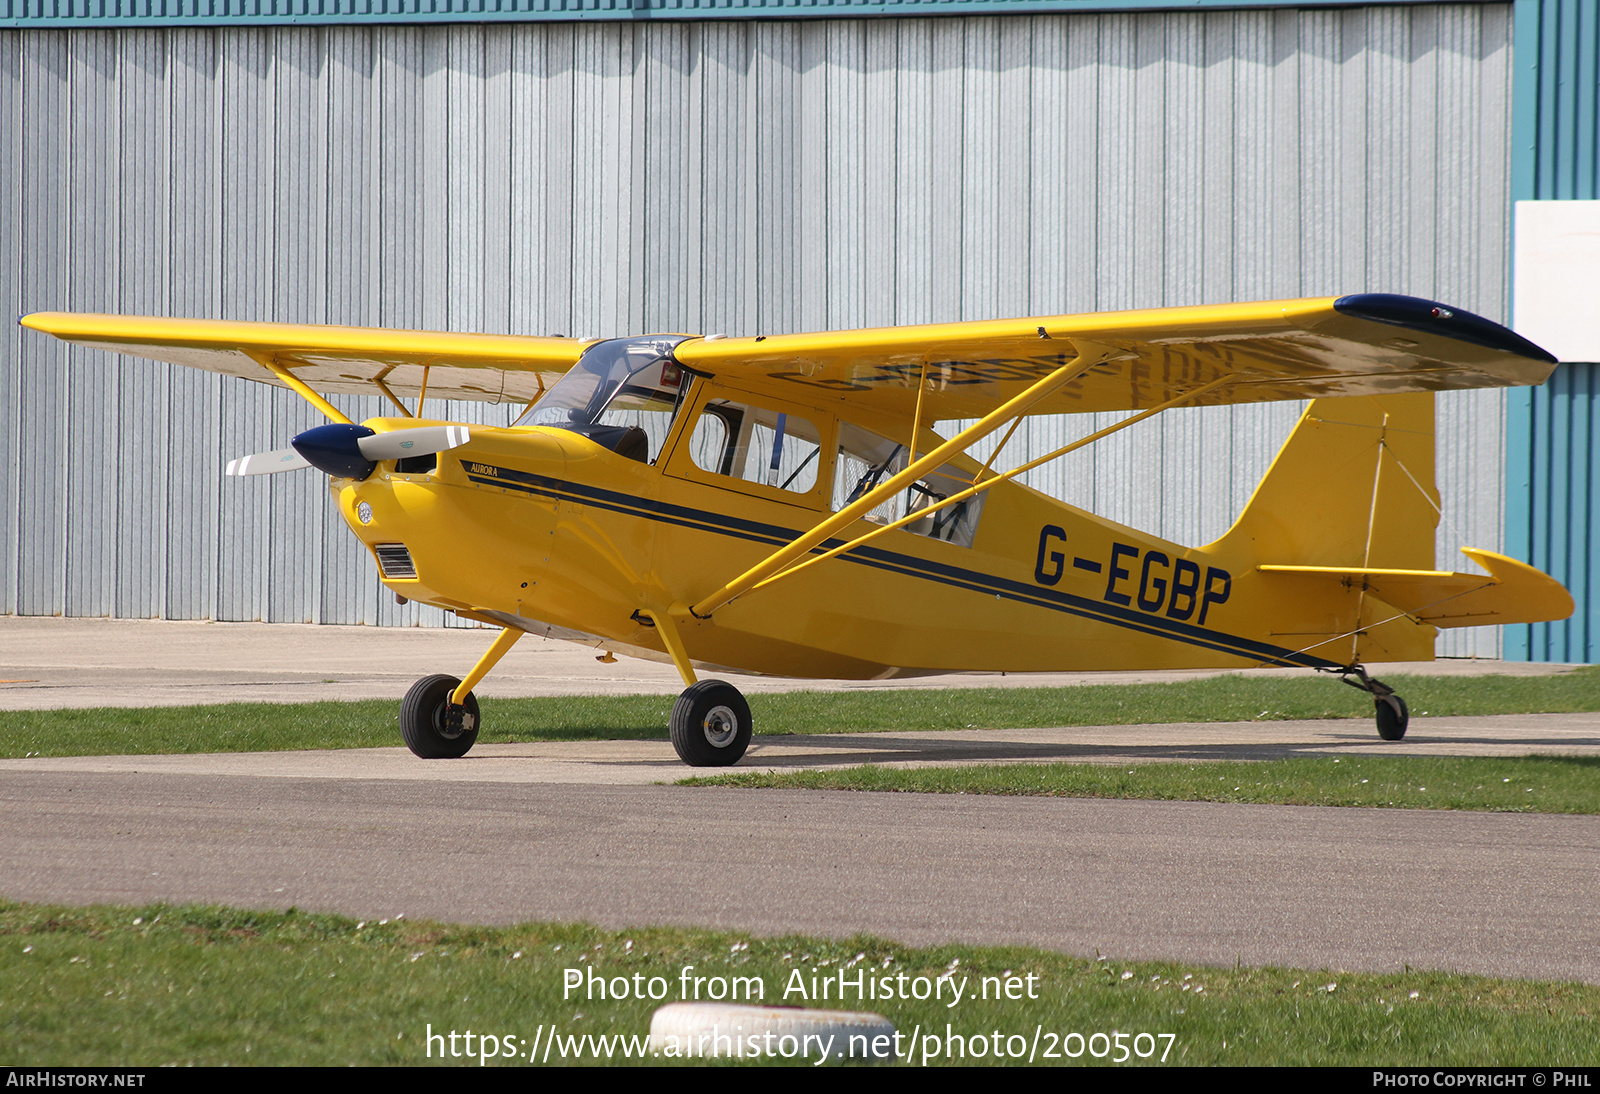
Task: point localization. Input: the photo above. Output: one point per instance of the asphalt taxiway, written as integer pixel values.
(48, 662)
(580, 831)
(1358, 889)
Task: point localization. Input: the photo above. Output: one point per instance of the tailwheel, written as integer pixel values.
(1393, 717)
(711, 725)
(433, 727)
(1391, 712)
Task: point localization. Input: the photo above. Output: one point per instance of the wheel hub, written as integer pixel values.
(721, 726)
(453, 720)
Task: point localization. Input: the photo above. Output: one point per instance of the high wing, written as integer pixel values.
(353, 360)
(1294, 349)
(1290, 349)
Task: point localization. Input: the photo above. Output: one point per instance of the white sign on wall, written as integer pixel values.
(1556, 284)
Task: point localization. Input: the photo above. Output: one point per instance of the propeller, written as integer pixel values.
(351, 451)
(267, 463)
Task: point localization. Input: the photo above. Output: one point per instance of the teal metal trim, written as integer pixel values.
(1560, 537)
(1551, 432)
(189, 13)
(1525, 16)
(1587, 614)
(1586, 45)
(1556, 101)
(1580, 637)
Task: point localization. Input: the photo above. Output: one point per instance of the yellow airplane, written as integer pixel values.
(782, 505)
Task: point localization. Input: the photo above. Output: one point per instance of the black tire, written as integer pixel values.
(432, 728)
(711, 725)
(1393, 717)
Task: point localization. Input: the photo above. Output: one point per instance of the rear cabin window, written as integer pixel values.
(757, 444)
(867, 460)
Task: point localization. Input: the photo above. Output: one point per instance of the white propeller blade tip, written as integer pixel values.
(267, 463)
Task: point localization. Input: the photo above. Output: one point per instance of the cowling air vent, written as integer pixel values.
(394, 560)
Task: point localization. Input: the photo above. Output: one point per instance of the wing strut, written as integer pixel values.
(963, 495)
(297, 385)
(1089, 355)
(387, 394)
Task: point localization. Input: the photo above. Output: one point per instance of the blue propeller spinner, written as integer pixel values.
(336, 449)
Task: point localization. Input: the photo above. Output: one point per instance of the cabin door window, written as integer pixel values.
(757, 444)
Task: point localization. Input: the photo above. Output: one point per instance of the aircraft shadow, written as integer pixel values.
(880, 748)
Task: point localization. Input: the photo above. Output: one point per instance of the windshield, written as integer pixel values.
(610, 380)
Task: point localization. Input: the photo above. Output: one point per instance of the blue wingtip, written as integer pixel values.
(1431, 317)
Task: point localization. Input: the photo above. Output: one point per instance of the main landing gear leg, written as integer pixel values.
(711, 722)
(1392, 715)
(439, 715)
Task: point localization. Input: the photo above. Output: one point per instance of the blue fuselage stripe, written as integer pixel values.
(911, 566)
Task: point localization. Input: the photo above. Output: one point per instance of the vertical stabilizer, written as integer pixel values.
(1351, 487)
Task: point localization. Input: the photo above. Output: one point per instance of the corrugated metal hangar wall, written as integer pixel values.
(753, 176)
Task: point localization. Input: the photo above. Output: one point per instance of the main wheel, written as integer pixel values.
(1393, 717)
(711, 725)
(433, 727)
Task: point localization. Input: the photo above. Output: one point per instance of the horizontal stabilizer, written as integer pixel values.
(1512, 591)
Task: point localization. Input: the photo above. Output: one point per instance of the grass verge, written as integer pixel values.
(1519, 784)
(204, 985)
(261, 727)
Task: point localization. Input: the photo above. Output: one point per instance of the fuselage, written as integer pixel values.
(552, 531)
